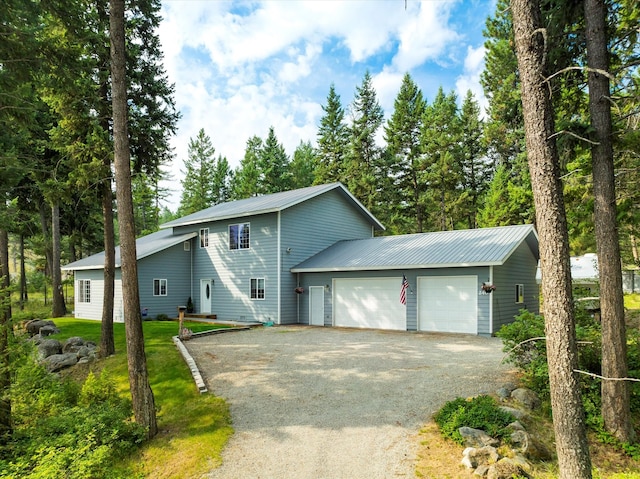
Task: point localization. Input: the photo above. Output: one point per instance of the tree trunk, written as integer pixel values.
(5, 331)
(141, 393)
(568, 415)
(615, 394)
(59, 307)
(107, 343)
(24, 294)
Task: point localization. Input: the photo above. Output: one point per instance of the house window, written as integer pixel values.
(257, 288)
(239, 236)
(204, 237)
(159, 287)
(84, 291)
(519, 293)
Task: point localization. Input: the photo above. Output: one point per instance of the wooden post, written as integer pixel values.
(181, 310)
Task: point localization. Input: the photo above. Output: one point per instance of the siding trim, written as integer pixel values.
(491, 301)
(279, 268)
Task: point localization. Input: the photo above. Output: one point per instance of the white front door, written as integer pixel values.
(316, 305)
(205, 296)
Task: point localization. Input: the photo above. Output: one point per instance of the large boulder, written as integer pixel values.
(56, 362)
(476, 437)
(506, 469)
(34, 327)
(49, 347)
(529, 446)
(73, 345)
(526, 397)
(472, 457)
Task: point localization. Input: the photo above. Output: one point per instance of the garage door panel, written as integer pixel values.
(448, 304)
(369, 303)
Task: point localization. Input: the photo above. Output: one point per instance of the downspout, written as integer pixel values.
(491, 302)
(279, 266)
(298, 299)
(191, 248)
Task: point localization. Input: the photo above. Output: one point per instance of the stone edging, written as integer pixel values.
(193, 367)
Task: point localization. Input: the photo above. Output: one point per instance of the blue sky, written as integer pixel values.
(240, 67)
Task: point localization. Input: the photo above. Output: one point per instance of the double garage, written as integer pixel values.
(443, 303)
(466, 281)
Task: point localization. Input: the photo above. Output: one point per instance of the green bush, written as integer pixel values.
(481, 412)
(162, 317)
(62, 430)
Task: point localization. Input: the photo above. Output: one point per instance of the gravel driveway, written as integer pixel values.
(311, 403)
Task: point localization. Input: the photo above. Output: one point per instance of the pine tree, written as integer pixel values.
(402, 135)
(440, 145)
(273, 163)
(363, 168)
(197, 185)
(333, 141)
(303, 166)
(245, 181)
(476, 169)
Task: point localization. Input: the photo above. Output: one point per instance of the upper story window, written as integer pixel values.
(239, 236)
(204, 237)
(159, 287)
(519, 293)
(84, 291)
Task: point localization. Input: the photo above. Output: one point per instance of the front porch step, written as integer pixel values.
(191, 316)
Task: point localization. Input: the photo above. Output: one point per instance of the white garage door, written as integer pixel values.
(448, 304)
(369, 303)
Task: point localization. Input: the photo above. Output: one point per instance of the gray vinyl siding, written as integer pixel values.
(520, 268)
(172, 264)
(307, 229)
(232, 270)
(93, 309)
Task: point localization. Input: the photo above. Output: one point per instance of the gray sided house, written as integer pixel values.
(466, 281)
(309, 256)
(232, 259)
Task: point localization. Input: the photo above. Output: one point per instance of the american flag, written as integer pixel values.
(403, 290)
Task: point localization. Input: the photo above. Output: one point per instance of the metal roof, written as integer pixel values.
(145, 246)
(268, 204)
(476, 247)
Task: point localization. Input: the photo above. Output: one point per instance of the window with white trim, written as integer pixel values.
(519, 293)
(257, 288)
(84, 291)
(159, 287)
(204, 237)
(239, 236)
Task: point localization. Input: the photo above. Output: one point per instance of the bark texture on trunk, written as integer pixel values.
(5, 331)
(107, 344)
(141, 393)
(616, 410)
(59, 306)
(568, 414)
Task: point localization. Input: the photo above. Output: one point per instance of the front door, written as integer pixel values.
(316, 305)
(205, 296)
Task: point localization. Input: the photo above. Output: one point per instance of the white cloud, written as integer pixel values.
(470, 78)
(240, 67)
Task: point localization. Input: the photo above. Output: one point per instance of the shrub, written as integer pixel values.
(481, 412)
(62, 430)
(162, 317)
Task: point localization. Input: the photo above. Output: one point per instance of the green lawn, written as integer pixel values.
(193, 427)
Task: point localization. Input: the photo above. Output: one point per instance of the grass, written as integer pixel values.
(193, 427)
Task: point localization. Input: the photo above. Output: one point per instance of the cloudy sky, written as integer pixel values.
(240, 67)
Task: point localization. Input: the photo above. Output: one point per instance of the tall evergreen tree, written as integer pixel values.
(476, 169)
(568, 415)
(303, 167)
(141, 394)
(440, 144)
(402, 135)
(274, 166)
(333, 141)
(221, 181)
(200, 166)
(245, 181)
(363, 168)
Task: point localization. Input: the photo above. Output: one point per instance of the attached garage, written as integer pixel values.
(448, 304)
(462, 281)
(369, 303)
